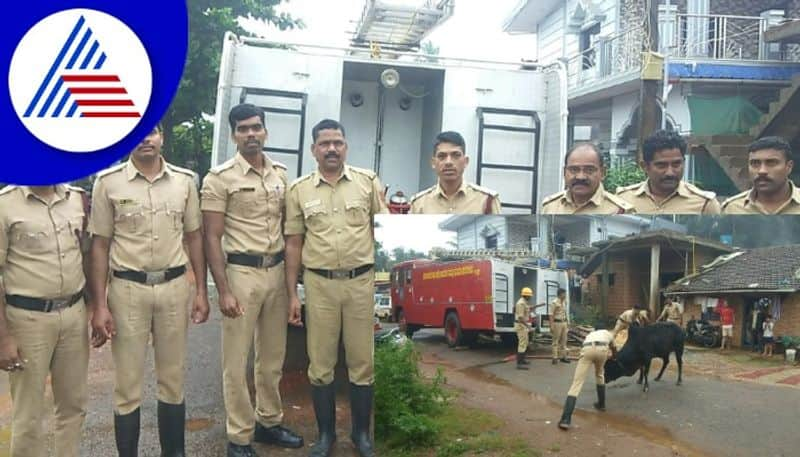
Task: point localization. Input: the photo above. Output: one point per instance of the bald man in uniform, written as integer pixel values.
(43, 317)
(451, 194)
(329, 226)
(664, 191)
(583, 174)
(142, 212)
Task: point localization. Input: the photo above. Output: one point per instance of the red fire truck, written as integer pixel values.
(468, 297)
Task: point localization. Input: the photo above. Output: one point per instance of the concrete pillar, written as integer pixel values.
(655, 270)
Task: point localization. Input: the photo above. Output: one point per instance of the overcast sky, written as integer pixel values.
(418, 232)
(475, 30)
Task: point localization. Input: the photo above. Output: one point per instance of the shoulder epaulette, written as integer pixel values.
(730, 200)
(484, 190)
(619, 201)
(300, 179)
(554, 197)
(279, 165)
(110, 170)
(420, 194)
(182, 170)
(221, 167)
(627, 188)
(363, 171)
(8, 189)
(707, 194)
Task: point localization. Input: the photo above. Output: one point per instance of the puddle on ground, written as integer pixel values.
(197, 424)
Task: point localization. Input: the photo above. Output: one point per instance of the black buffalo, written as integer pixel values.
(644, 344)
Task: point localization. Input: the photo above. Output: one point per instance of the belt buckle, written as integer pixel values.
(55, 305)
(155, 277)
(340, 274)
(267, 261)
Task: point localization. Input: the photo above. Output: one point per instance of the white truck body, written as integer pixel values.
(510, 115)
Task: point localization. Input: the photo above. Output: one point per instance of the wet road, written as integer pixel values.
(205, 435)
(725, 418)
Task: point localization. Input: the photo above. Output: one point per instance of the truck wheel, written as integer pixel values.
(452, 330)
(508, 339)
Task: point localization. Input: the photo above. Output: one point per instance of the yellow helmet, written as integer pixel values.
(526, 292)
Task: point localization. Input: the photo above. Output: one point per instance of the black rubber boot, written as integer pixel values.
(523, 359)
(126, 433)
(566, 416)
(277, 435)
(601, 398)
(236, 450)
(361, 414)
(565, 360)
(324, 398)
(522, 364)
(171, 424)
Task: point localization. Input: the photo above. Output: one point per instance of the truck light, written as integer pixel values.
(472, 308)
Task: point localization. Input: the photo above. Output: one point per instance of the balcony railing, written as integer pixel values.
(723, 37)
(682, 36)
(608, 58)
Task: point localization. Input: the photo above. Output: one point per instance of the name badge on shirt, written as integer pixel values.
(126, 201)
(311, 203)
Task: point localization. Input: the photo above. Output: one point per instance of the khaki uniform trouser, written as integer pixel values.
(262, 294)
(55, 343)
(140, 310)
(559, 332)
(337, 307)
(522, 337)
(590, 355)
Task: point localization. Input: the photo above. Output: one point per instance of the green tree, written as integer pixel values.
(623, 175)
(187, 135)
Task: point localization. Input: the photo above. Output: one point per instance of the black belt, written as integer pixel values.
(342, 274)
(595, 343)
(151, 277)
(257, 261)
(41, 304)
(558, 320)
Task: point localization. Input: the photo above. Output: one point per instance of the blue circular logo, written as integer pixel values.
(86, 83)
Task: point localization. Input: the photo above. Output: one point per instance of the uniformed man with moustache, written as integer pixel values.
(43, 316)
(664, 191)
(770, 163)
(142, 211)
(451, 194)
(329, 226)
(583, 174)
(243, 211)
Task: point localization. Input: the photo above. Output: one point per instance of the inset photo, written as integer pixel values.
(531, 335)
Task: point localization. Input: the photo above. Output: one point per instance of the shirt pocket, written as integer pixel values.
(71, 232)
(174, 216)
(275, 201)
(129, 217)
(244, 201)
(356, 213)
(34, 238)
(316, 217)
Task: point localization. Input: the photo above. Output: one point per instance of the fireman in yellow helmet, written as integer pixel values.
(522, 316)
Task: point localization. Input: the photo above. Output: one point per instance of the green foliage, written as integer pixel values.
(208, 22)
(790, 342)
(408, 402)
(623, 175)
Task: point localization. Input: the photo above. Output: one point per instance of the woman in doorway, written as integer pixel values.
(768, 337)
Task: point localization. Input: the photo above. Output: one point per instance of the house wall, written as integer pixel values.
(789, 323)
(470, 237)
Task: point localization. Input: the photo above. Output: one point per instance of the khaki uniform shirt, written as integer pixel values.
(599, 336)
(630, 316)
(335, 219)
(253, 203)
(602, 202)
(558, 310)
(672, 312)
(469, 199)
(745, 203)
(521, 312)
(144, 220)
(40, 254)
(687, 199)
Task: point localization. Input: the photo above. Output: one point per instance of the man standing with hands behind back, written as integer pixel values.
(329, 226)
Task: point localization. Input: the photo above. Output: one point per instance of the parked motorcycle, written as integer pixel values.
(703, 333)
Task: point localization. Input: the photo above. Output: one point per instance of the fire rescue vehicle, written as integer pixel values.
(470, 297)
